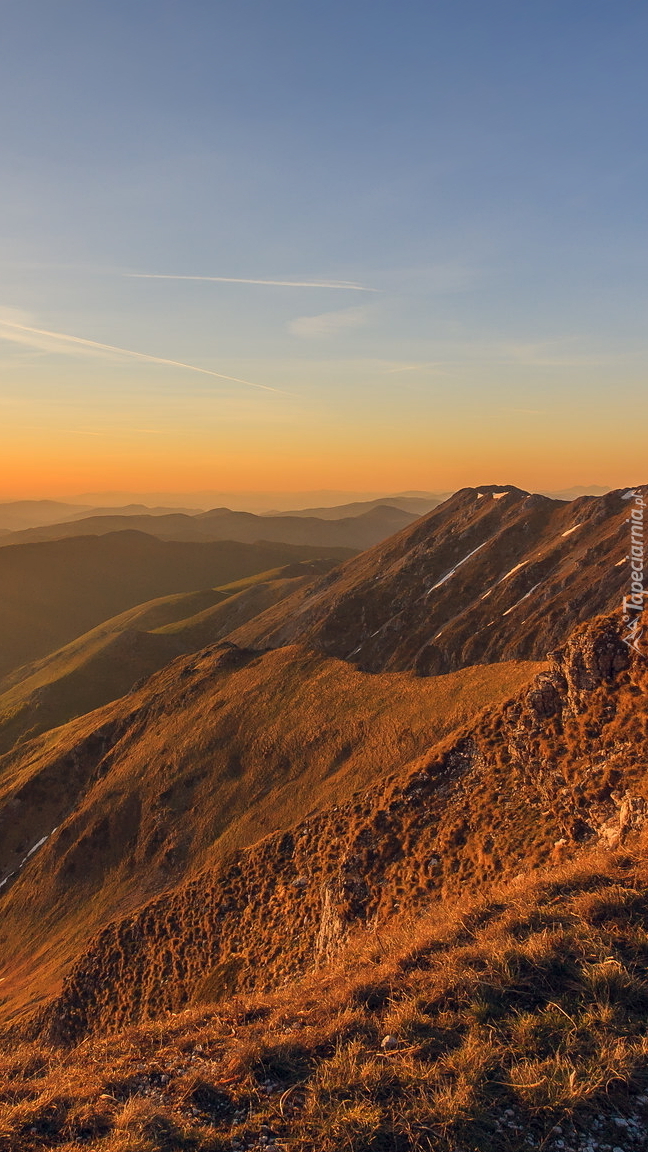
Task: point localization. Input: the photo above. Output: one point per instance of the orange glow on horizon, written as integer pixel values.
(54, 474)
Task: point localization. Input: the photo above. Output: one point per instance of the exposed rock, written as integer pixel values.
(525, 783)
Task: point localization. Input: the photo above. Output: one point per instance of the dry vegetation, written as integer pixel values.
(515, 1021)
(210, 755)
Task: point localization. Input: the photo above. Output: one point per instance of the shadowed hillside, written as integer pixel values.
(491, 574)
(52, 592)
(106, 662)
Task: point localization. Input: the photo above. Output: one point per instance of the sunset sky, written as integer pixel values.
(296, 245)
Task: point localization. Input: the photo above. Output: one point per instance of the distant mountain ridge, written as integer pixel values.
(16, 515)
(419, 505)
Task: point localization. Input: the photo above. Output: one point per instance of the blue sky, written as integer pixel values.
(479, 169)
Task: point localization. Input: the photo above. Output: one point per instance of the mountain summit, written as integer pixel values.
(492, 574)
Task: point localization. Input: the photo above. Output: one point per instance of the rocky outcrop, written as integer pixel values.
(546, 769)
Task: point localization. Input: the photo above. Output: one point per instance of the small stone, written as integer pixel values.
(388, 1043)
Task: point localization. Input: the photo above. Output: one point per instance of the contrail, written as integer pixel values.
(348, 284)
(139, 356)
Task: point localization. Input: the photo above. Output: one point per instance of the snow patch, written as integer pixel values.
(453, 570)
(516, 569)
(503, 578)
(523, 598)
(570, 530)
(499, 495)
(36, 846)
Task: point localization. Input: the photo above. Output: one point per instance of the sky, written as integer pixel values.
(295, 245)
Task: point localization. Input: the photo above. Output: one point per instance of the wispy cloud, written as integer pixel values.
(429, 367)
(12, 330)
(347, 285)
(562, 353)
(328, 323)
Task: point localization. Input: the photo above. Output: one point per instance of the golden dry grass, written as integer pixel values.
(510, 1014)
(203, 760)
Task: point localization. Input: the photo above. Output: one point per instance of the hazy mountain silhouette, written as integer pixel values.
(16, 515)
(418, 505)
(355, 532)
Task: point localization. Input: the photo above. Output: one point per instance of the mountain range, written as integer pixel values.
(355, 531)
(364, 827)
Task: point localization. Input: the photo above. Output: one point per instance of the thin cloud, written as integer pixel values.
(79, 342)
(431, 367)
(328, 323)
(349, 285)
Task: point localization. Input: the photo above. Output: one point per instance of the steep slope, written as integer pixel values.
(52, 592)
(221, 524)
(517, 1021)
(491, 574)
(559, 765)
(215, 751)
(106, 662)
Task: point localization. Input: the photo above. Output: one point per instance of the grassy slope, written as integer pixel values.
(202, 760)
(106, 662)
(52, 592)
(511, 1014)
(560, 764)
